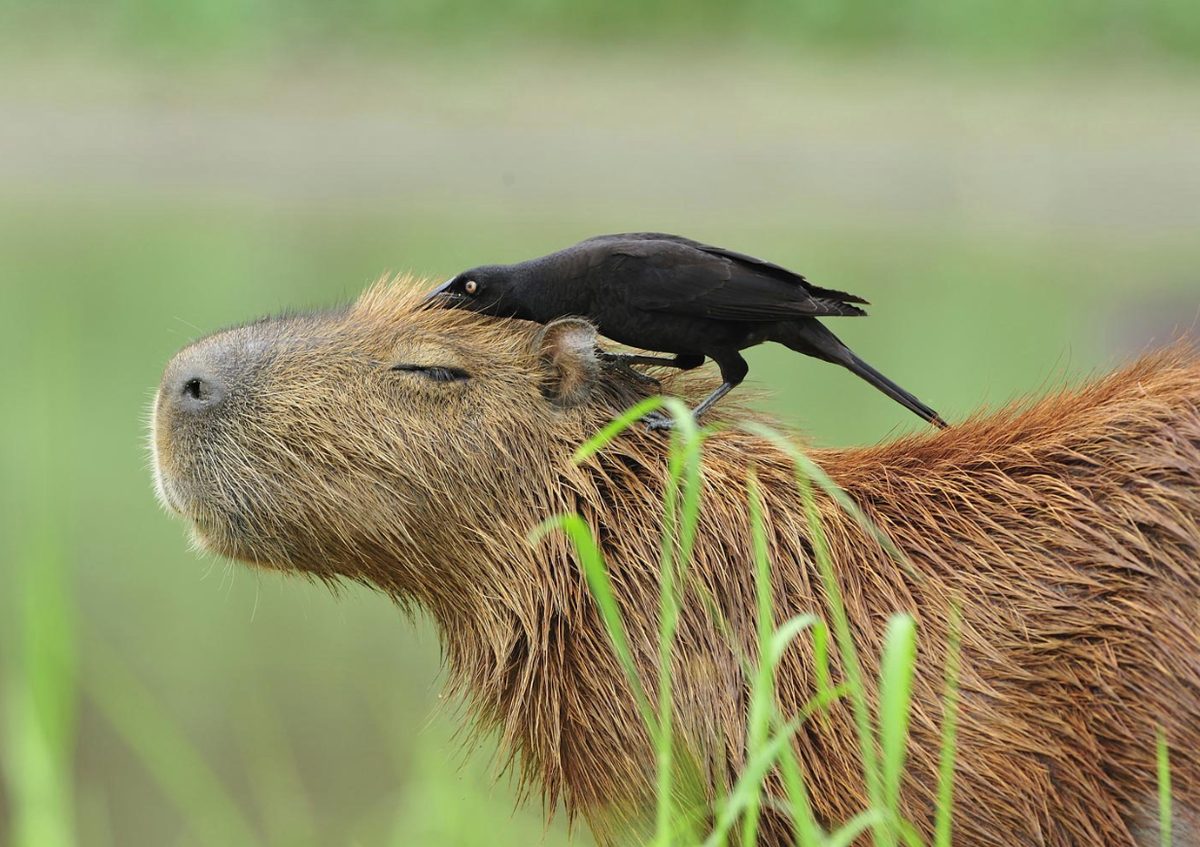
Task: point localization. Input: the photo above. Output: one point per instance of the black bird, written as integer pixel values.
(668, 293)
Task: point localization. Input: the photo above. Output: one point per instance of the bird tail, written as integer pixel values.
(834, 294)
(813, 339)
(838, 309)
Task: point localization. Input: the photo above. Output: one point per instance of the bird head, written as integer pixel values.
(486, 289)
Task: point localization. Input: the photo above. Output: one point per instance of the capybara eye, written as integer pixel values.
(470, 286)
(440, 374)
(437, 373)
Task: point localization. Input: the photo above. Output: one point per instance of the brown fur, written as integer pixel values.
(1070, 533)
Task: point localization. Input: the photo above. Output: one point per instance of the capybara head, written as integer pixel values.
(308, 441)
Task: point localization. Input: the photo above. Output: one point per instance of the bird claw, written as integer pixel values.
(641, 377)
(621, 362)
(656, 421)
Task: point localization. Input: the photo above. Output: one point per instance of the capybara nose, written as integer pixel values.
(198, 391)
(202, 377)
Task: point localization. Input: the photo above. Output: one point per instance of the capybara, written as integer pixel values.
(414, 449)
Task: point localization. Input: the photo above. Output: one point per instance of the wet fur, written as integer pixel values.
(1069, 531)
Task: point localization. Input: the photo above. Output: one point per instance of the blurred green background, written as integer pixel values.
(1015, 186)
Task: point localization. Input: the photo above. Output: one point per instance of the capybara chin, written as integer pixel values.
(414, 449)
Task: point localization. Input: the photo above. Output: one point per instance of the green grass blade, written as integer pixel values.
(681, 515)
(855, 827)
(821, 658)
(817, 474)
(787, 633)
(618, 425)
(851, 666)
(681, 512)
(684, 423)
(665, 738)
(895, 693)
(945, 806)
(685, 473)
(39, 785)
(808, 831)
(807, 472)
(36, 541)
(668, 619)
(772, 644)
(41, 704)
(763, 692)
(1164, 789)
(749, 783)
(596, 574)
(178, 769)
(757, 768)
(907, 832)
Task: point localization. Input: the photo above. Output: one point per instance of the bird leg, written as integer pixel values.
(733, 371)
(636, 359)
(659, 420)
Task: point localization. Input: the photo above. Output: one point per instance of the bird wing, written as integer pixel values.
(673, 276)
(761, 266)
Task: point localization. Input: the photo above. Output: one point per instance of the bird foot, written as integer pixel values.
(656, 421)
(621, 362)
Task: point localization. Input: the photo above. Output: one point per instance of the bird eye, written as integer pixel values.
(470, 286)
(436, 373)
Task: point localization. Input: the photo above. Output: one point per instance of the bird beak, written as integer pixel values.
(440, 295)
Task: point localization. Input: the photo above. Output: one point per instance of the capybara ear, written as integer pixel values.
(568, 352)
